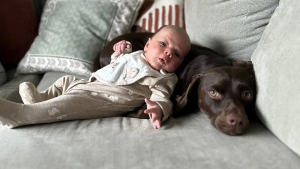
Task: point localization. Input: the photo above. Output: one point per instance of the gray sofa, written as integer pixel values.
(264, 31)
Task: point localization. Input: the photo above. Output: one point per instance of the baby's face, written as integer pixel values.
(167, 49)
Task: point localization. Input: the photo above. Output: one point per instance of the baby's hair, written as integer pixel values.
(159, 29)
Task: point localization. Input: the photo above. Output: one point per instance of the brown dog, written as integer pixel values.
(224, 91)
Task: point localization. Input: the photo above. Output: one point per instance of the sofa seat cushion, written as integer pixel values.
(276, 62)
(120, 142)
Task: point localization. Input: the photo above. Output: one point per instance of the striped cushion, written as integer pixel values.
(162, 12)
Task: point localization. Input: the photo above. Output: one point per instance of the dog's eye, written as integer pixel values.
(213, 94)
(247, 95)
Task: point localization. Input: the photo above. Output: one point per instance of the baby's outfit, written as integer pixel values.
(112, 91)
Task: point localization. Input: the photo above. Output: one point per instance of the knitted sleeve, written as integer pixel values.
(161, 93)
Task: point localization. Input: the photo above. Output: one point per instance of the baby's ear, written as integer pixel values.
(147, 44)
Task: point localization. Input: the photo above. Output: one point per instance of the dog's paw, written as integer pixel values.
(243, 64)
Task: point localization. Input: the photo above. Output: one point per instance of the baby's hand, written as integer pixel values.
(120, 46)
(155, 113)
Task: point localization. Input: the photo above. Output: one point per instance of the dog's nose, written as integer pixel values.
(234, 120)
(237, 123)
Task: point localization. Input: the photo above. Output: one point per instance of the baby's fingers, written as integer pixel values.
(155, 120)
(115, 47)
(119, 47)
(147, 111)
(156, 124)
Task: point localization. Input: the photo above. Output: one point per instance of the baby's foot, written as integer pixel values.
(28, 93)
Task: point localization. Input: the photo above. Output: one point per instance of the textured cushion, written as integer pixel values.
(276, 62)
(18, 29)
(232, 28)
(73, 32)
(161, 12)
(2, 74)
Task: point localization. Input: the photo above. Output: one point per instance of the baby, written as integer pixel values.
(126, 83)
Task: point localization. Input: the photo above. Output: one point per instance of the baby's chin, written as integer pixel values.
(166, 70)
(163, 69)
(156, 67)
(160, 67)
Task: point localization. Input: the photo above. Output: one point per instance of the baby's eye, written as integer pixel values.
(177, 55)
(163, 43)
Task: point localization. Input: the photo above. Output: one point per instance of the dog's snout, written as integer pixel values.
(236, 123)
(234, 120)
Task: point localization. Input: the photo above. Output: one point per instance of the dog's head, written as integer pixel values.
(225, 95)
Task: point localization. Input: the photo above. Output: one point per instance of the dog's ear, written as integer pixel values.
(243, 64)
(181, 101)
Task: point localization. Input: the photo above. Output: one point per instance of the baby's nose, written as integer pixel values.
(168, 52)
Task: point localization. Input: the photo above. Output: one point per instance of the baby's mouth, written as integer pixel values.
(162, 61)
